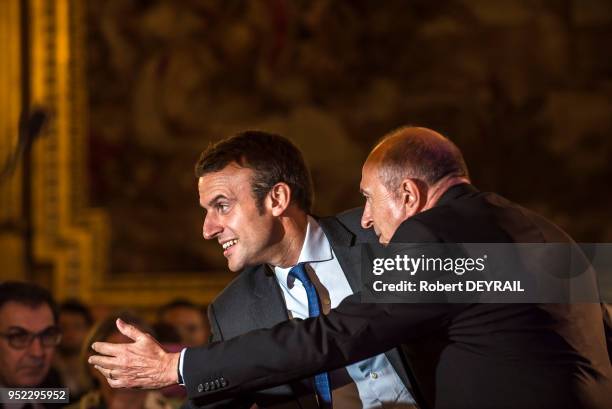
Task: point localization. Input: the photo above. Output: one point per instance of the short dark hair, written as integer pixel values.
(177, 303)
(74, 306)
(31, 295)
(419, 153)
(272, 158)
(166, 333)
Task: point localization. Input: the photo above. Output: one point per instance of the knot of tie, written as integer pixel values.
(299, 272)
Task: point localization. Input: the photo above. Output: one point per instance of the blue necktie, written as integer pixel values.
(322, 385)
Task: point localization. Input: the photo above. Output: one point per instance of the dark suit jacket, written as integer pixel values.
(476, 356)
(254, 300)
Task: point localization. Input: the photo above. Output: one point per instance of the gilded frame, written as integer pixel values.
(68, 234)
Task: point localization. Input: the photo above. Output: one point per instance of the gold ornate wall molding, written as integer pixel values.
(66, 234)
(71, 236)
(11, 245)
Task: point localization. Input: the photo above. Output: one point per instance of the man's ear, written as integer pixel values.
(279, 198)
(412, 195)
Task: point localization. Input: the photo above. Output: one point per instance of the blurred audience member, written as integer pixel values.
(103, 396)
(28, 336)
(188, 320)
(75, 321)
(168, 336)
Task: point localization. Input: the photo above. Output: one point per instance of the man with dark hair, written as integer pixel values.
(75, 321)
(28, 334)
(187, 319)
(257, 193)
(272, 159)
(480, 356)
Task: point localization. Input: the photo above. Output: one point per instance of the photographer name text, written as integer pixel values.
(438, 286)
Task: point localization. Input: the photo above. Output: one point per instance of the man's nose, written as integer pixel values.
(211, 227)
(36, 348)
(366, 218)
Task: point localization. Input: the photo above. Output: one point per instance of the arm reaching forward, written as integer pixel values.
(139, 364)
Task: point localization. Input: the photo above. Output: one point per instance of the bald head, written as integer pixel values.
(416, 153)
(405, 174)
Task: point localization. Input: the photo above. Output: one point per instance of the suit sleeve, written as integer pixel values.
(297, 349)
(241, 402)
(215, 330)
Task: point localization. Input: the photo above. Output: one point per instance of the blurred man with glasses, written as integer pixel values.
(28, 334)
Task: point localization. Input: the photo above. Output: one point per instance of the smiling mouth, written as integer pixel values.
(229, 244)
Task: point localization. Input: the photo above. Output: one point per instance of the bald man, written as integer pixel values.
(472, 356)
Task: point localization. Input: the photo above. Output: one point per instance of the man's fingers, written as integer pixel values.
(104, 363)
(128, 330)
(103, 371)
(139, 364)
(115, 383)
(110, 377)
(108, 348)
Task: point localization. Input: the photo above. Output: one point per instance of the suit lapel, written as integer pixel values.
(267, 304)
(343, 244)
(268, 308)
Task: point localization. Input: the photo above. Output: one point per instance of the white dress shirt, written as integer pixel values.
(378, 384)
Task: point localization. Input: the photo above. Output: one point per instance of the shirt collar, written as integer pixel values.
(316, 248)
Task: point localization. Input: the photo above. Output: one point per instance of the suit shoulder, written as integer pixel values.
(521, 223)
(486, 217)
(351, 221)
(240, 285)
(351, 218)
(416, 230)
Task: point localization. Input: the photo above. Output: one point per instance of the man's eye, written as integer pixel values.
(18, 336)
(222, 207)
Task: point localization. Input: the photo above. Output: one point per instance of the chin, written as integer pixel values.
(235, 267)
(29, 382)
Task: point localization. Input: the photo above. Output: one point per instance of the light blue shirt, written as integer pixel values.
(378, 384)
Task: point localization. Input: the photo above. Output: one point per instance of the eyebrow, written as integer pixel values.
(17, 328)
(215, 199)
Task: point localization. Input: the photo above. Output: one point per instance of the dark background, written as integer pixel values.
(523, 87)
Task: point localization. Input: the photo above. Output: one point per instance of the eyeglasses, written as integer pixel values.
(21, 338)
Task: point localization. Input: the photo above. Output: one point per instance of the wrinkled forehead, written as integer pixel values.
(370, 174)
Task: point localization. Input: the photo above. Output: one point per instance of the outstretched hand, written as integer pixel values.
(139, 364)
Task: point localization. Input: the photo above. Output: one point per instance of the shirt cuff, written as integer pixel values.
(180, 367)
